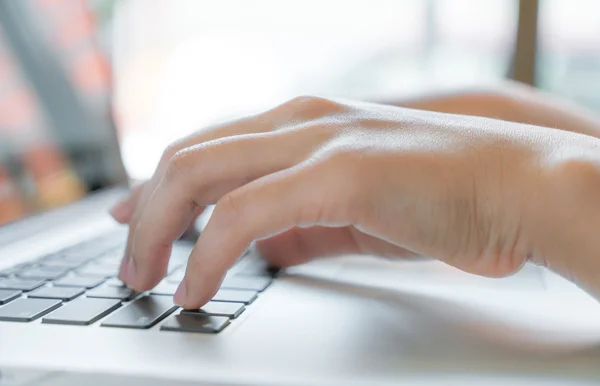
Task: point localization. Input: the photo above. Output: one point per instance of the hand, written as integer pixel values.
(315, 177)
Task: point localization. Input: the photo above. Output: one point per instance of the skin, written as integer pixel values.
(316, 177)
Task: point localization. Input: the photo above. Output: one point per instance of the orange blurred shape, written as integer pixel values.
(89, 72)
(59, 189)
(43, 159)
(11, 203)
(55, 182)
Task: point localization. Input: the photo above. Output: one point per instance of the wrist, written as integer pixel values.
(567, 222)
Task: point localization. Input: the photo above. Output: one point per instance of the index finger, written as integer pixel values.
(302, 196)
(201, 176)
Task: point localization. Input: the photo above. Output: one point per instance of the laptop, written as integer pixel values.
(65, 318)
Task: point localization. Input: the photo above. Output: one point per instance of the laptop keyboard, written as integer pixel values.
(79, 286)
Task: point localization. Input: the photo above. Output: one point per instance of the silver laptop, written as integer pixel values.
(65, 319)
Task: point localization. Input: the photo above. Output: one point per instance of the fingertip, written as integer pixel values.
(194, 291)
(180, 295)
(122, 211)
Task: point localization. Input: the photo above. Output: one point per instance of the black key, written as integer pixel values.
(247, 283)
(61, 264)
(50, 257)
(174, 266)
(166, 289)
(181, 251)
(230, 310)
(223, 295)
(8, 295)
(81, 259)
(256, 267)
(42, 273)
(79, 281)
(9, 272)
(110, 259)
(83, 311)
(235, 296)
(108, 292)
(114, 282)
(97, 270)
(26, 310)
(196, 323)
(142, 313)
(114, 266)
(61, 293)
(20, 284)
(176, 277)
(14, 270)
(82, 252)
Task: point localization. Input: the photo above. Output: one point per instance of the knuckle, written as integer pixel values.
(169, 152)
(312, 106)
(177, 166)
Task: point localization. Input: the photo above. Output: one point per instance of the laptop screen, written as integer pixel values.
(57, 139)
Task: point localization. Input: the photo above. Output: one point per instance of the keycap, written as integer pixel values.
(82, 252)
(20, 284)
(114, 282)
(108, 292)
(82, 312)
(143, 313)
(256, 267)
(59, 263)
(174, 266)
(27, 310)
(176, 277)
(8, 272)
(181, 251)
(248, 283)
(42, 273)
(14, 270)
(235, 296)
(195, 323)
(230, 310)
(164, 288)
(61, 293)
(79, 258)
(97, 270)
(109, 259)
(114, 266)
(79, 281)
(8, 295)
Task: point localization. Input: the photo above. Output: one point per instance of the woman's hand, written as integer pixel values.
(315, 177)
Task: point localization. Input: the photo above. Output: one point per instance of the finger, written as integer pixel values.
(303, 196)
(200, 176)
(238, 127)
(300, 245)
(124, 209)
(299, 109)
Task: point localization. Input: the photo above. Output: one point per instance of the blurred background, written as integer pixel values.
(184, 64)
(166, 68)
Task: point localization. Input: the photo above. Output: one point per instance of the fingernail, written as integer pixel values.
(180, 294)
